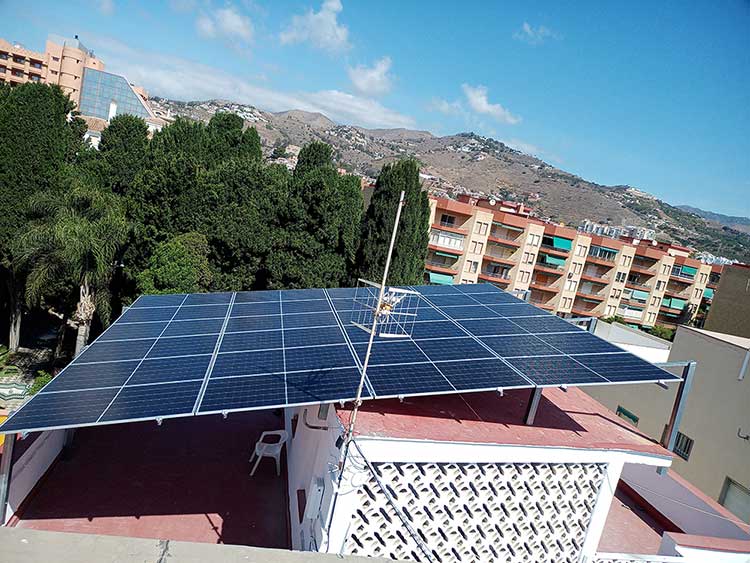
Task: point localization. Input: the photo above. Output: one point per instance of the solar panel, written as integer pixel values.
(181, 355)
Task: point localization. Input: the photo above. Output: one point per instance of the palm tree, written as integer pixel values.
(75, 238)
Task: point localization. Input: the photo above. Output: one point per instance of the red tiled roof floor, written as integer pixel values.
(629, 528)
(564, 419)
(188, 479)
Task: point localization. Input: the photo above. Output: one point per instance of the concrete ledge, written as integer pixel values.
(19, 545)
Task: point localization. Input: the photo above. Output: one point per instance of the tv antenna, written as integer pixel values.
(383, 311)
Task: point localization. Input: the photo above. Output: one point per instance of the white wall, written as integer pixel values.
(29, 468)
(311, 455)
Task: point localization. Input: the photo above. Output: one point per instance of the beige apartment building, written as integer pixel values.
(63, 63)
(566, 271)
(713, 445)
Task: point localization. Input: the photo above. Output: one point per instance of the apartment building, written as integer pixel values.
(730, 311)
(63, 62)
(713, 447)
(566, 271)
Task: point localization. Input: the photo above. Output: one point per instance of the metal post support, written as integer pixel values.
(678, 409)
(592, 325)
(536, 395)
(6, 466)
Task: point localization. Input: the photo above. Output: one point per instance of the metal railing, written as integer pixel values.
(496, 275)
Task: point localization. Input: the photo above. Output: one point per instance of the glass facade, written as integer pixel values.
(101, 89)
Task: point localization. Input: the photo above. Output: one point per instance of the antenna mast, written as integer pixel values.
(375, 318)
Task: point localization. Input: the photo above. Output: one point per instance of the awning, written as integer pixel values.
(708, 293)
(563, 243)
(689, 270)
(640, 295)
(553, 260)
(442, 279)
(447, 254)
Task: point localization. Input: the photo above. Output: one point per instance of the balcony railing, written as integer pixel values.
(630, 314)
(555, 248)
(496, 275)
(607, 257)
(595, 274)
(445, 265)
(677, 274)
(500, 255)
(447, 242)
(550, 266)
(639, 284)
(503, 236)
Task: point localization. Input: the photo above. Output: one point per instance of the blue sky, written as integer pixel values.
(653, 94)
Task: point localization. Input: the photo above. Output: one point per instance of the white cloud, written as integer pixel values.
(226, 23)
(476, 96)
(205, 26)
(106, 7)
(374, 80)
(534, 36)
(182, 79)
(321, 28)
(446, 107)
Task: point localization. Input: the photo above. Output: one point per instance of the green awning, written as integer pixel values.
(674, 303)
(688, 270)
(441, 279)
(564, 243)
(640, 295)
(447, 254)
(708, 293)
(553, 260)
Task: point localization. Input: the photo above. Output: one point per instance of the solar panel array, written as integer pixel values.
(181, 355)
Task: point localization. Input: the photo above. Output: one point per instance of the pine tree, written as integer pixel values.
(410, 249)
(123, 151)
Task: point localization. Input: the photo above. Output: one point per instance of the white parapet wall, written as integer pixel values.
(31, 466)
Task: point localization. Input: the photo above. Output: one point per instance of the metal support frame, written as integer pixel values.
(536, 395)
(592, 325)
(678, 409)
(6, 469)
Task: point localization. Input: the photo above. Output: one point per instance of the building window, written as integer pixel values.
(655, 301)
(736, 499)
(570, 285)
(621, 276)
(703, 278)
(581, 250)
(481, 228)
(18, 73)
(463, 280)
(616, 293)
(567, 302)
(19, 60)
(683, 446)
(625, 414)
(477, 247)
(610, 310)
(698, 292)
(651, 317)
(524, 276)
(577, 267)
(534, 240)
(56, 59)
(447, 220)
(447, 240)
(659, 285)
(528, 257)
(471, 266)
(665, 269)
(625, 261)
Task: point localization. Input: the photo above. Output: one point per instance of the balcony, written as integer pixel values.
(598, 297)
(441, 267)
(549, 268)
(554, 250)
(595, 277)
(632, 315)
(447, 243)
(638, 284)
(677, 291)
(681, 278)
(503, 239)
(494, 277)
(581, 307)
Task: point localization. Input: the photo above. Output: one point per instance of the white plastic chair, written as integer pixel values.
(269, 449)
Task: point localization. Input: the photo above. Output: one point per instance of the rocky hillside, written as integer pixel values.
(470, 163)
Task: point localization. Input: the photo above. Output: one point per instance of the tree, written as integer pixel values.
(244, 230)
(320, 217)
(76, 234)
(123, 150)
(36, 140)
(410, 249)
(313, 155)
(179, 265)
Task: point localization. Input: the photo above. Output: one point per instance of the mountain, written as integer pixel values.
(732, 221)
(470, 163)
